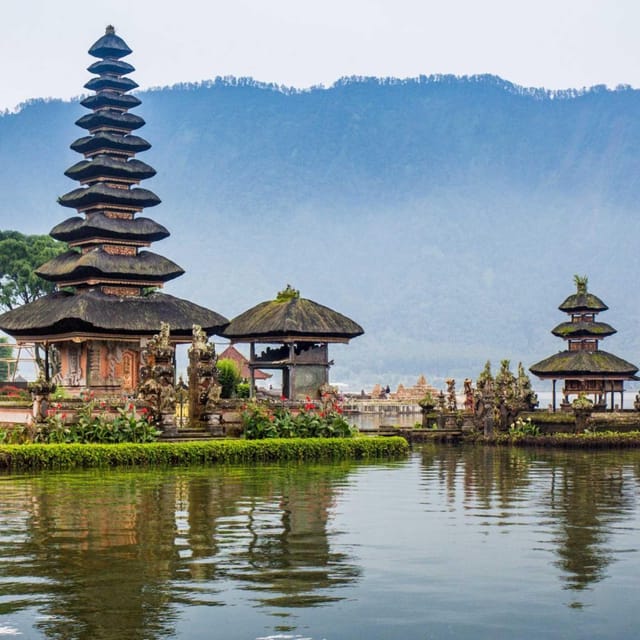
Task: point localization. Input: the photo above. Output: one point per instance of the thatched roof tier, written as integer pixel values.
(106, 141)
(110, 118)
(579, 302)
(110, 99)
(596, 330)
(109, 46)
(102, 194)
(111, 83)
(63, 315)
(97, 263)
(102, 165)
(597, 364)
(111, 67)
(290, 317)
(98, 225)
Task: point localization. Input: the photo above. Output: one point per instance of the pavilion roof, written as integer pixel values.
(291, 317)
(93, 312)
(582, 300)
(596, 330)
(97, 263)
(109, 45)
(569, 364)
(99, 225)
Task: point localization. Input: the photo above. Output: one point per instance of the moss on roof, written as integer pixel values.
(583, 330)
(582, 300)
(576, 363)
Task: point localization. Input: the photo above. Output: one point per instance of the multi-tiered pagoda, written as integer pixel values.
(107, 303)
(583, 366)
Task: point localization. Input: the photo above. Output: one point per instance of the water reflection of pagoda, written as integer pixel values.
(583, 366)
(106, 303)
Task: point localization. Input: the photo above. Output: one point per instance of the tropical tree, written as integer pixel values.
(7, 367)
(20, 256)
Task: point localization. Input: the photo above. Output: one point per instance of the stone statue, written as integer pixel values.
(157, 374)
(204, 389)
(452, 404)
(468, 395)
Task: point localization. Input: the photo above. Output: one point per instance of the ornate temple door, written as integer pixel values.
(129, 370)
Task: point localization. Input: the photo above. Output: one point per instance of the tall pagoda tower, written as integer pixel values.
(107, 304)
(583, 366)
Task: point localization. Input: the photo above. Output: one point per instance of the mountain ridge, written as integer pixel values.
(417, 208)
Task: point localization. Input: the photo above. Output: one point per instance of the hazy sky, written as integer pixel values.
(542, 43)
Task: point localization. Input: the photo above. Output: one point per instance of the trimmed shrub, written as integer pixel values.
(586, 440)
(69, 456)
(228, 377)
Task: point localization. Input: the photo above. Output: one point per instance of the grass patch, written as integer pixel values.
(71, 456)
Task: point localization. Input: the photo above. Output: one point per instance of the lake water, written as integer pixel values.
(454, 542)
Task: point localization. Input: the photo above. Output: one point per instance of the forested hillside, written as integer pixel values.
(446, 215)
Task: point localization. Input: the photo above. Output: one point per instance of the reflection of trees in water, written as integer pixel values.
(490, 477)
(589, 493)
(109, 555)
(288, 557)
(584, 493)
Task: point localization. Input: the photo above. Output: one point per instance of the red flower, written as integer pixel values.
(144, 411)
(131, 406)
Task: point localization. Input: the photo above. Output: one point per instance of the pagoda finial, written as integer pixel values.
(110, 30)
(581, 283)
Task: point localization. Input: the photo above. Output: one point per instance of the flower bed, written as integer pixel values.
(311, 420)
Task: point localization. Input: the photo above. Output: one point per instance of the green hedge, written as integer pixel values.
(587, 440)
(68, 456)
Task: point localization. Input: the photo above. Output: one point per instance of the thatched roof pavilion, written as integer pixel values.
(107, 302)
(303, 328)
(583, 366)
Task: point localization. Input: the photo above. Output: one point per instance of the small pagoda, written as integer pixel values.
(583, 366)
(107, 303)
(295, 333)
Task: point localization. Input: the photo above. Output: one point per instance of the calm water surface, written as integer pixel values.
(452, 543)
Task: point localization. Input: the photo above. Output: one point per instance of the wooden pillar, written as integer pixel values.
(252, 375)
(292, 371)
(553, 397)
(46, 362)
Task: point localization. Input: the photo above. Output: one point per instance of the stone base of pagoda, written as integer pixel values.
(107, 367)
